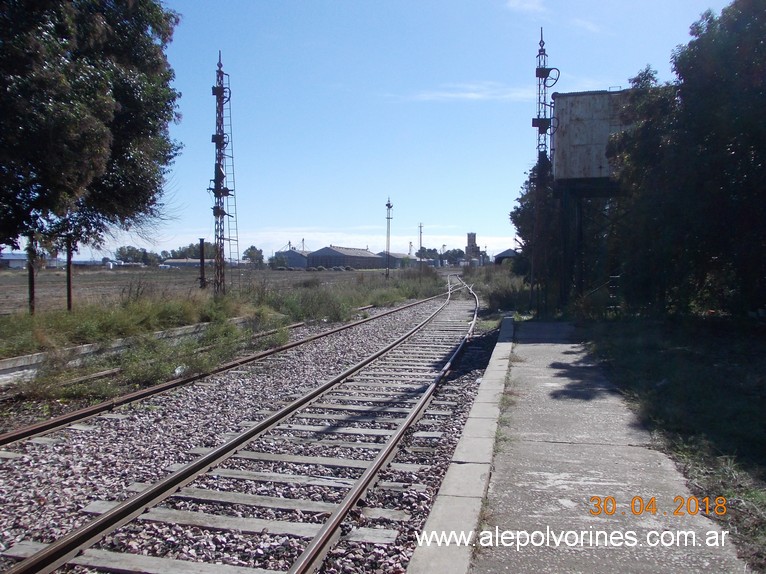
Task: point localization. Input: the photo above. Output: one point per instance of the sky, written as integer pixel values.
(339, 105)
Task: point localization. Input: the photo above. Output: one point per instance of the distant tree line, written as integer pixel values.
(687, 232)
(451, 256)
(131, 254)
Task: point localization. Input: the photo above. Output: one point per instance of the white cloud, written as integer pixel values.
(478, 91)
(586, 25)
(526, 6)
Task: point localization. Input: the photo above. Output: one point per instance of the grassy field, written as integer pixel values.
(106, 287)
(131, 302)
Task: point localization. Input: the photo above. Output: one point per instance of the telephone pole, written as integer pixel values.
(389, 207)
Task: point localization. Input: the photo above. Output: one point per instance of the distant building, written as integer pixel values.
(19, 261)
(396, 260)
(472, 250)
(334, 256)
(188, 262)
(13, 260)
(293, 258)
(507, 254)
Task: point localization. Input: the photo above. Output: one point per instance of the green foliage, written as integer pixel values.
(537, 220)
(144, 307)
(498, 287)
(254, 255)
(85, 103)
(690, 235)
(426, 253)
(453, 256)
(686, 233)
(148, 361)
(130, 254)
(191, 251)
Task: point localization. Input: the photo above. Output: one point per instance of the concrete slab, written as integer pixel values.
(449, 513)
(480, 427)
(474, 449)
(485, 410)
(467, 480)
(492, 396)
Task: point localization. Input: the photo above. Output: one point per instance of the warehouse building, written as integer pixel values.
(397, 260)
(292, 258)
(334, 256)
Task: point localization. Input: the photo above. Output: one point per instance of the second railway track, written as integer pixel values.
(281, 493)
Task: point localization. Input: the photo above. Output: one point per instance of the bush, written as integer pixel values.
(499, 287)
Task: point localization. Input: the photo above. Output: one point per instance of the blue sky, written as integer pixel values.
(338, 105)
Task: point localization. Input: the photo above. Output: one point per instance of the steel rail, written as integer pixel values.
(67, 547)
(105, 406)
(314, 554)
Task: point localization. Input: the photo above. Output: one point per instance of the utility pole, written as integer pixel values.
(389, 207)
(420, 249)
(202, 280)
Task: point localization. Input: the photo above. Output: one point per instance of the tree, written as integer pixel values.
(426, 253)
(130, 254)
(537, 221)
(453, 256)
(254, 255)
(191, 251)
(85, 103)
(691, 233)
(650, 238)
(54, 114)
(277, 261)
(721, 95)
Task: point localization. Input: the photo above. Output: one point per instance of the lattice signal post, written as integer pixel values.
(222, 184)
(546, 78)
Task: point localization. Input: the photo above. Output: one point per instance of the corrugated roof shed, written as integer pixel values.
(335, 256)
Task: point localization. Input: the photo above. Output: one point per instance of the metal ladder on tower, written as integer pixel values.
(232, 231)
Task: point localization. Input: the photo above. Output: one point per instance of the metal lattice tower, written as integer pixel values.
(222, 184)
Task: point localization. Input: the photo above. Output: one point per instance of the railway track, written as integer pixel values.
(295, 476)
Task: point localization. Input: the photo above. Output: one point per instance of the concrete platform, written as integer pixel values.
(573, 486)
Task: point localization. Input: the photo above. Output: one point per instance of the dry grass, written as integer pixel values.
(701, 386)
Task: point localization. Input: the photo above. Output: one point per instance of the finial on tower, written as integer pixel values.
(220, 64)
